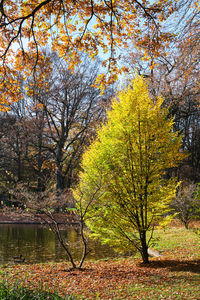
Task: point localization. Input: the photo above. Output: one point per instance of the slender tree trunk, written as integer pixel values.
(144, 250)
(40, 184)
(68, 253)
(84, 245)
(59, 179)
(57, 231)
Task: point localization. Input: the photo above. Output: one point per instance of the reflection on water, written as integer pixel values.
(38, 244)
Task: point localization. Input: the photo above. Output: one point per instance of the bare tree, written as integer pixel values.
(51, 124)
(186, 204)
(70, 109)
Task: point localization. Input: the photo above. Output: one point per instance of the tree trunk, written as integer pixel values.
(144, 249)
(57, 231)
(59, 164)
(186, 224)
(40, 184)
(59, 179)
(84, 242)
(59, 184)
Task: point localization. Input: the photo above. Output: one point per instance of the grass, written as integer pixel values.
(18, 292)
(172, 287)
(177, 242)
(175, 275)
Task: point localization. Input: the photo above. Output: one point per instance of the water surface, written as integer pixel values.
(38, 244)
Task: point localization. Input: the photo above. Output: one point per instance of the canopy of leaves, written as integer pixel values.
(126, 166)
(69, 27)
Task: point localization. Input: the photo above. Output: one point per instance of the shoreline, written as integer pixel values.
(28, 219)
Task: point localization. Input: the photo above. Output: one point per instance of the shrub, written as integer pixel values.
(187, 203)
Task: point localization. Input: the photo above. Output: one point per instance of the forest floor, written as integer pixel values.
(175, 275)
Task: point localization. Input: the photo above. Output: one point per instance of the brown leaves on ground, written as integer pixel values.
(107, 279)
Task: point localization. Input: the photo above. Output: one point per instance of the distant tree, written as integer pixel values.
(187, 203)
(129, 158)
(22, 140)
(43, 136)
(174, 74)
(69, 105)
(13, 145)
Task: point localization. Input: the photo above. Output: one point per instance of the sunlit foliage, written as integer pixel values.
(128, 162)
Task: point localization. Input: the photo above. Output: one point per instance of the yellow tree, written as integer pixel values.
(71, 26)
(126, 166)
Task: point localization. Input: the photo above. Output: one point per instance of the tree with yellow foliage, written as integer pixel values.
(126, 166)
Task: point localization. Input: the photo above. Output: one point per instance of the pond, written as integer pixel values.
(38, 244)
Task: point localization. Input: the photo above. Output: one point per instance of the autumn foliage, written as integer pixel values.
(70, 27)
(126, 166)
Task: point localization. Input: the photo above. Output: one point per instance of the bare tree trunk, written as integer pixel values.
(144, 248)
(84, 242)
(186, 224)
(55, 228)
(66, 249)
(59, 180)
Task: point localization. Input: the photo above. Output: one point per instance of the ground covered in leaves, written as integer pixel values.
(175, 275)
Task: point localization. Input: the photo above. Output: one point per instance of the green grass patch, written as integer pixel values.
(18, 292)
(179, 242)
(171, 287)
